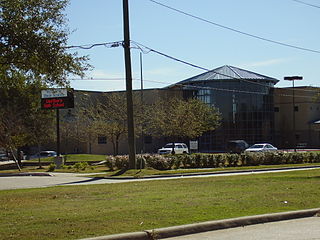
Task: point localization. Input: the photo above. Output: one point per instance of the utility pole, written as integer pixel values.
(126, 46)
(142, 103)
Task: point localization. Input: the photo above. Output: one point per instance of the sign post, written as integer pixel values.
(193, 145)
(57, 98)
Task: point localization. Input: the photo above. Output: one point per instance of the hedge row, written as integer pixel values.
(162, 162)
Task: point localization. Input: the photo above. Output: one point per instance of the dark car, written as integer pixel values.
(237, 146)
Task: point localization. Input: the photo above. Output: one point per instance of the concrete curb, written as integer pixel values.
(23, 174)
(161, 233)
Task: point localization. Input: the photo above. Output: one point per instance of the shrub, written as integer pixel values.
(52, 167)
(110, 163)
(122, 162)
(160, 162)
(80, 166)
(212, 162)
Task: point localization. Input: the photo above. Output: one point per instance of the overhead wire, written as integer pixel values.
(89, 46)
(144, 49)
(196, 66)
(305, 3)
(233, 29)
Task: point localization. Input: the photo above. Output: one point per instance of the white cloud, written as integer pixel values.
(265, 63)
(101, 80)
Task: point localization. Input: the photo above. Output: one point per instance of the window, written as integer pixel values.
(276, 109)
(296, 108)
(102, 140)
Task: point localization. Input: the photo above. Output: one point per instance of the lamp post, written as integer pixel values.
(293, 78)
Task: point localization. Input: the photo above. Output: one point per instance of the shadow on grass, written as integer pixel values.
(82, 181)
(123, 171)
(119, 173)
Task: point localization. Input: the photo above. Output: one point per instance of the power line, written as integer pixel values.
(146, 50)
(235, 30)
(96, 79)
(308, 4)
(168, 56)
(141, 46)
(89, 46)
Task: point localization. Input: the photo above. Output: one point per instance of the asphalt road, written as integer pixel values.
(297, 229)
(60, 179)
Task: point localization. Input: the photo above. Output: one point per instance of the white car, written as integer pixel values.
(261, 147)
(179, 148)
(44, 154)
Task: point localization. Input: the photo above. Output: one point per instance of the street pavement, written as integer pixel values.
(296, 229)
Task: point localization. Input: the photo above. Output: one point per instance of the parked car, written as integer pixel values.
(44, 154)
(261, 147)
(3, 156)
(237, 146)
(179, 148)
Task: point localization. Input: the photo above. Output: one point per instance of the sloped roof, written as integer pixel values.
(228, 72)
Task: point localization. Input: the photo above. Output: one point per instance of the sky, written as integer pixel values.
(200, 41)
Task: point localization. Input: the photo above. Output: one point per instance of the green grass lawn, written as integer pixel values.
(72, 212)
(75, 158)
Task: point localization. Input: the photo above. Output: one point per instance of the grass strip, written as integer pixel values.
(73, 212)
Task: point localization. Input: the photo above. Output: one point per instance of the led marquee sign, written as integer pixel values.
(57, 98)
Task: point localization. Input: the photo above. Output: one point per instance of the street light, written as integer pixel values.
(293, 78)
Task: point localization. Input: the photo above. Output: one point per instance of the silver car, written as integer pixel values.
(261, 147)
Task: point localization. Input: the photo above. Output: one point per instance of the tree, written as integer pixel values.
(76, 128)
(180, 119)
(109, 117)
(41, 129)
(22, 122)
(33, 38)
(33, 56)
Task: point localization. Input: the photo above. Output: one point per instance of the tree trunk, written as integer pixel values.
(117, 143)
(39, 160)
(15, 159)
(114, 147)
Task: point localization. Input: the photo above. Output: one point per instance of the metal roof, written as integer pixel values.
(228, 72)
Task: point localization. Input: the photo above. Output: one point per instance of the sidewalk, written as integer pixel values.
(189, 229)
(296, 229)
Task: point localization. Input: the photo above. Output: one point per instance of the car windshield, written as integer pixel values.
(257, 146)
(44, 154)
(169, 145)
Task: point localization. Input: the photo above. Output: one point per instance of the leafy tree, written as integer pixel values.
(33, 38)
(109, 117)
(76, 128)
(180, 119)
(33, 56)
(41, 128)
